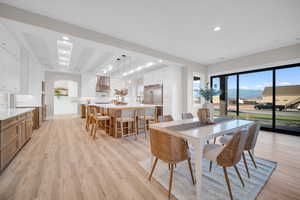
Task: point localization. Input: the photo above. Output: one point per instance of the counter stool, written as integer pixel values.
(100, 122)
(88, 120)
(127, 117)
(147, 116)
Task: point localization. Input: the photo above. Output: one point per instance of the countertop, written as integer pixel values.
(128, 106)
(12, 112)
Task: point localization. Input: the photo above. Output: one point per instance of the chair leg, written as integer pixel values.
(92, 129)
(191, 170)
(228, 183)
(245, 163)
(210, 166)
(239, 175)
(171, 180)
(153, 167)
(95, 130)
(252, 158)
(122, 129)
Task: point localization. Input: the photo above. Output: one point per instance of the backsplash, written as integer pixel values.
(4, 101)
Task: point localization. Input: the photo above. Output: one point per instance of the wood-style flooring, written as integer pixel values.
(61, 162)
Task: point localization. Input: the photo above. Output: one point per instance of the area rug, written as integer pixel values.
(213, 183)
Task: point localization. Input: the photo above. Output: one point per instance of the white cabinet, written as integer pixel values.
(9, 62)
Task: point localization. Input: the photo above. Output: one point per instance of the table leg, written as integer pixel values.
(198, 148)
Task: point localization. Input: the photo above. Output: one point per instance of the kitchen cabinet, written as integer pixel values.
(9, 62)
(14, 133)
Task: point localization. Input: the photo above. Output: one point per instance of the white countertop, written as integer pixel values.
(128, 106)
(12, 112)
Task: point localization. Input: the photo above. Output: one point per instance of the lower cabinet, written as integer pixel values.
(14, 133)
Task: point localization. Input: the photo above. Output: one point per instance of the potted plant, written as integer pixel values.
(208, 93)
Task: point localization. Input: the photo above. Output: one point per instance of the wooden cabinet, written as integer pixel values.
(14, 133)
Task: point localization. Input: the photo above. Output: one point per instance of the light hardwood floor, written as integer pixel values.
(61, 162)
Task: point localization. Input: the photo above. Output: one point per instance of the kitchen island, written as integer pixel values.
(114, 111)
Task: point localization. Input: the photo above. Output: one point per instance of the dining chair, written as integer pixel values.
(253, 131)
(147, 116)
(165, 118)
(228, 155)
(187, 116)
(128, 117)
(170, 149)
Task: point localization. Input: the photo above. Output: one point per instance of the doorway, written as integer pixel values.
(65, 97)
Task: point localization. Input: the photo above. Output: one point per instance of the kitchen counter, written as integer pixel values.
(124, 107)
(12, 112)
(114, 112)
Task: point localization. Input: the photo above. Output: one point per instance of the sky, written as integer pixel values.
(260, 80)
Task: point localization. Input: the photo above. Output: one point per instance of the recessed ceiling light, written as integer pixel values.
(217, 28)
(160, 61)
(65, 38)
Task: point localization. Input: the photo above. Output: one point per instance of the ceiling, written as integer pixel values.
(87, 56)
(183, 28)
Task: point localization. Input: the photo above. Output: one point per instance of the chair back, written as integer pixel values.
(165, 118)
(187, 116)
(253, 131)
(128, 113)
(168, 148)
(232, 152)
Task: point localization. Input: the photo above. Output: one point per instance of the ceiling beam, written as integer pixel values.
(17, 14)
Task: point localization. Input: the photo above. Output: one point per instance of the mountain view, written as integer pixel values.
(245, 93)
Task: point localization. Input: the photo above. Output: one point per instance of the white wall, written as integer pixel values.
(88, 85)
(171, 78)
(275, 57)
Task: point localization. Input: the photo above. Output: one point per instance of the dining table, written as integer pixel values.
(197, 134)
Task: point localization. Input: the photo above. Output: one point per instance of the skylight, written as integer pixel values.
(64, 51)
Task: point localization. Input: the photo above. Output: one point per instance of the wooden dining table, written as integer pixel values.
(197, 134)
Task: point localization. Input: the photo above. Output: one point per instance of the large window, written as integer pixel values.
(287, 100)
(270, 96)
(215, 83)
(196, 89)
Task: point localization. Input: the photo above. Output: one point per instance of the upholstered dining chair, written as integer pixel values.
(253, 131)
(165, 118)
(228, 155)
(171, 150)
(187, 116)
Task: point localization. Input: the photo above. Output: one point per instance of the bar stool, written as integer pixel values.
(97, 120)
(88, 120)
(147, 116)
(127, 117)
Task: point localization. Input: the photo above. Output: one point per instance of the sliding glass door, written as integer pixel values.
(231, 95)
(287, 101)
(255, 97)
(270, 96)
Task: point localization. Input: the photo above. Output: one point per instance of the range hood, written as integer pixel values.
(103, 84)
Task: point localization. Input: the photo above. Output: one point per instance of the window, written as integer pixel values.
(196, 90)
(270, 96)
